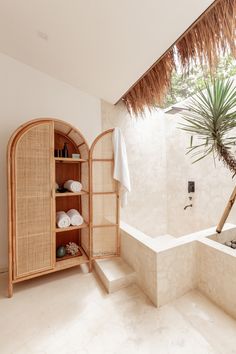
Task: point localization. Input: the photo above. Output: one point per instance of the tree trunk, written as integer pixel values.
(227, 158)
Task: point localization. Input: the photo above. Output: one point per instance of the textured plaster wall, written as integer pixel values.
(160, 171)
(146, 149)
(213, 182)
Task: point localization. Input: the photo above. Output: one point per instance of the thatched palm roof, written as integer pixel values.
(212, 35)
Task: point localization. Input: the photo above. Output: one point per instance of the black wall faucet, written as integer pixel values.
(188, 206)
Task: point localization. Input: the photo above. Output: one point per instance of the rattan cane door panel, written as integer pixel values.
(105, 236)
(104, 209)
(33, 185)
(104, 241)
(103, 177)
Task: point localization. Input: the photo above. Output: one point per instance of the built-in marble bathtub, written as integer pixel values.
(217, 270)
(170, 267)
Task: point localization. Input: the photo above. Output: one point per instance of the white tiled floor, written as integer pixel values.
(70, 312)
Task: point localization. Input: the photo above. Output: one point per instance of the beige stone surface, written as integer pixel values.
(114, 273)
(160, 171)
(176, 272)
(169, 269)
(217, 274)
(70, 313)
(143, 261)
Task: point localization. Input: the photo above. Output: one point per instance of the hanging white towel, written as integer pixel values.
(121, 168)
(73, 186)
(62, 219)
(75, 218)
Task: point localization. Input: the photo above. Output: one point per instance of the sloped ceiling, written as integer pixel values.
(99, 46)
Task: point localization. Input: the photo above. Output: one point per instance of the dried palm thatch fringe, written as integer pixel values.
(211, 36)
(147, 93)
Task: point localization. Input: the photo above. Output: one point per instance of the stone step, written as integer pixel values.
(114, 273)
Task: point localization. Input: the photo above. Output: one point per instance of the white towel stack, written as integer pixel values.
(75, 218)
(73, 186)
(62, 219)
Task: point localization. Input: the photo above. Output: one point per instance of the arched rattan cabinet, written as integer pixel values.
(33, 172)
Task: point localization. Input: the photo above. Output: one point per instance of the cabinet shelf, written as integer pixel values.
(108, 224)
(69, 160)
(104, 193)
(70, 228)
(70, 194)
(70, 261)
(103, 160)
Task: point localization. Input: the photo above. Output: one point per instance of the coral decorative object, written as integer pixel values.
(72, 248)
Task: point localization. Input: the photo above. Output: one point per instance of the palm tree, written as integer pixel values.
(210, 117)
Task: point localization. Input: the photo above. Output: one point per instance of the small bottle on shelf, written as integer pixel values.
(58, 153)
(65, 152)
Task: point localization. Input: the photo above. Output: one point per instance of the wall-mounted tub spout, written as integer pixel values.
(188, 206)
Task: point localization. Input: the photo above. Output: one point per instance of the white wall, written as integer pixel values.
(26, 93)
(160, 171)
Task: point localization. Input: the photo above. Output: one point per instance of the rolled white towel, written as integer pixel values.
(75, 218)
(62, 219)
(73, 186)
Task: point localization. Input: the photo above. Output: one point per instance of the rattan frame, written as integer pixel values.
(93, 160)
(54, 266)
(11, 153)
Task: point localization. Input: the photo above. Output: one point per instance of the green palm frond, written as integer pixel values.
(210, 117)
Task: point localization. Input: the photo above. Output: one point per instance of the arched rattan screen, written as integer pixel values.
(104, 194)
